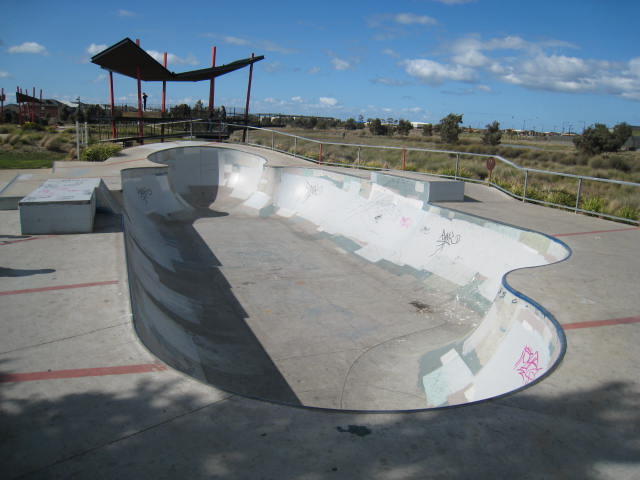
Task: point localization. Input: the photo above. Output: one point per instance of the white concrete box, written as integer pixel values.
(59, 206)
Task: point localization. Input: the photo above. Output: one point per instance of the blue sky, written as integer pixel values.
(547, 65)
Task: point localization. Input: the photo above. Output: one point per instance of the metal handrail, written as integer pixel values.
(526, 170)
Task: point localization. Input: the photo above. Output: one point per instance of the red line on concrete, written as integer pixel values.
(82, 372)
(8, 242)
(601, 323)
(595, 231)
(59, 287)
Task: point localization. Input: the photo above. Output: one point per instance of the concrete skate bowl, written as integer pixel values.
(313, 288)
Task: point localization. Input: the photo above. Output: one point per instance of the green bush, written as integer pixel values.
(32, 126)
(593, 204)
(100, 152)
(561, 197)
(629, 212)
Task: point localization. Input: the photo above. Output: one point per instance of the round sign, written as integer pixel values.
(491, 164)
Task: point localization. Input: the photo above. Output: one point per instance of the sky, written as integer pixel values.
(550, 66)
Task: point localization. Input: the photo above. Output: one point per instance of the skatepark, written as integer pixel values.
(234, 307)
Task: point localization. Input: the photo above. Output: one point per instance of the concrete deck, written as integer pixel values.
(81, 397)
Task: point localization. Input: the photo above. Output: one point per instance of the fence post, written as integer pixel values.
(578, 194)
(295, 146)
(273, 140)
(358, 158)
(524, 188)
(404, 159)
(457, 166)
(78, 140)
(320, 157)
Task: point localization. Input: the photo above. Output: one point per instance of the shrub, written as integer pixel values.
(628, 211)
(100, 152)
(32, 126)
(561, 197)
(593, 204)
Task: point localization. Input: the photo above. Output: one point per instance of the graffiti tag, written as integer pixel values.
(527, 365)
(445, 239)
(144, 193)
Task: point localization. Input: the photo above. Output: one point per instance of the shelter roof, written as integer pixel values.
(125, 57)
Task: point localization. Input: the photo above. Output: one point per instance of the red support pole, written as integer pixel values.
(404, 159)
(19, 106)
(140, 117)
(164, 98)
(246, 108)
(114, 131)
(212, 82)
(33, 106)
(164, 85)
(40, 107)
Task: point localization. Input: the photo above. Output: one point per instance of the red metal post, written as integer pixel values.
(19, 106)
(212, 82)
(404, 159)
(246, 108)
(164, 98)
(40, 107)
(114, 131)
(33, 106)
(164, 85)
(140, 117)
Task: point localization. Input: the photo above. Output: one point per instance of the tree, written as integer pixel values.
(450, 128)
(181, 111)
(376, 127)
(598, 139)
(350, 124)
(492, 134)
(621, 132)
(404, 127)
(427, 129)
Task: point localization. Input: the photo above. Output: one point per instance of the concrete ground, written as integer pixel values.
(80, 397)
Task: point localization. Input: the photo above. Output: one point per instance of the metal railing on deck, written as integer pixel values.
(528, 193)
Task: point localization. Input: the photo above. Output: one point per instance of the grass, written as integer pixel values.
(10, 159)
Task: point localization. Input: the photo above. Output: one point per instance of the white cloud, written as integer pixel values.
(340, 64)
(173, 59)
(434, 73)
(4, 74)
(100, 78)
(328, 101)
(28, 47)
(235, 40)
(297, 99)
(262, 45)
(414, 19)
(391, 52)
(96, 48)
(126, 13)
(634, 66)
(313, 70)
(454, 2)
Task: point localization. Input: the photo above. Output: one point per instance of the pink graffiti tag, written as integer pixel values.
(405, 222)
(527, 365)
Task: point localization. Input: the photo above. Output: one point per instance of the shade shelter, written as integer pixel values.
(127, 58)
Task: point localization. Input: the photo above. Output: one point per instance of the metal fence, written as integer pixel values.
(524, 188)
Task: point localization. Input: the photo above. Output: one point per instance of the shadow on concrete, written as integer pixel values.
(188, 315)
(155, 431)
(17, 272)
